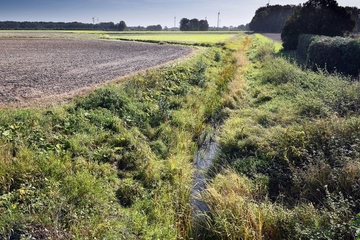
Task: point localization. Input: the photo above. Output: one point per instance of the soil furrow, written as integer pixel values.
(34, 69)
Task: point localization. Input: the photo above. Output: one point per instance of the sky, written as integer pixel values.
(140, 12)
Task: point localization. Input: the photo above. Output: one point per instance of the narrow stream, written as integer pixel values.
(202, 160)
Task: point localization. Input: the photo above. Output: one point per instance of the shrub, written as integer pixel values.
(103, 98)
(118, 102)
(335, 55)
(304, 42)
(322, 94)
(279, 71)
(265, 51)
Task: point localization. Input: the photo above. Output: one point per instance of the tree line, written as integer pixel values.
(272, 18)
(13, 25)
(185, 25)
(193, 25)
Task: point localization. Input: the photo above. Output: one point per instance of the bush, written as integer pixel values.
(304, 42)
(322, 94)
(103, 98)
(335, 55)
(118, 102)
(279, 71)
(317, 154)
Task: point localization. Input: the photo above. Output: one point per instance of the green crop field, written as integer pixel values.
(175, 37)
(188, 38)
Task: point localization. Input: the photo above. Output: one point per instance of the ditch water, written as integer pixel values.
(203, 159)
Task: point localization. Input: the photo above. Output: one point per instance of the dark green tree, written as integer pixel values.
(203, 25)
(121, 26)
(321, 17)
(355, 13)
(271, 19)
(184, 24)
(154, 27)
(194, 24)
(105, 26)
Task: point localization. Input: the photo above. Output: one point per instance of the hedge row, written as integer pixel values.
(335, 54)
(304, 42)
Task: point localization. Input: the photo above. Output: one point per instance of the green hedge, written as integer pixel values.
(304, 42)
(335, 54)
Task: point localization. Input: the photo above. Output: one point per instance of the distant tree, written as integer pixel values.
(194, 24)
(154, 27)
(137, 28)
(243, 27)
(271, 19)
(121, 26)
(105, 26)
(322, 17)
(111, 26)
(203, 25)
(184, 24)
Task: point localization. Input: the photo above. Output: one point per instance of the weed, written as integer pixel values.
(298, 131)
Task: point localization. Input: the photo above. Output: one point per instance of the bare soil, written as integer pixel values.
(32, 70)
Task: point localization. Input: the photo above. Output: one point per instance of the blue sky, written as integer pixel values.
(139, 12)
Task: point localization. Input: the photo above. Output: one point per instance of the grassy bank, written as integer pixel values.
(115, 164)
(288, 166)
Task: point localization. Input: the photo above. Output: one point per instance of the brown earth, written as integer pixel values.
(38, 70)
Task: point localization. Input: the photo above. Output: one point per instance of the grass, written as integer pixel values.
(114, 164)
(118, 162)
(186, 38)
(289, 141)
(197, 38)
(208, 38)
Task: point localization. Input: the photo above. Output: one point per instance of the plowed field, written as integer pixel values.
(37, 69)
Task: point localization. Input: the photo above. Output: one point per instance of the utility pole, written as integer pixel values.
(218, 21)
(175, 22)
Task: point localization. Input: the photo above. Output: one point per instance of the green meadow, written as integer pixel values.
(172, 37)
(179, 37)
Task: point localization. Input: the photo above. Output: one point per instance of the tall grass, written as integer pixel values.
(294, 133)
(114, 164)
(241, 210)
